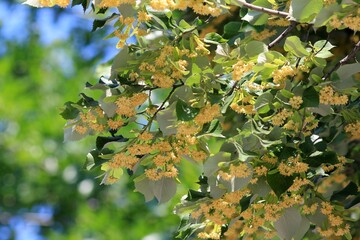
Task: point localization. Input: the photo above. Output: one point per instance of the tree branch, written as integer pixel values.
(262, 9)
(347, 58)
(283, 34)
(161, 106)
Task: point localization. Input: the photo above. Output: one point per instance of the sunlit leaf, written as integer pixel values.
(295, 46)
(305, 10)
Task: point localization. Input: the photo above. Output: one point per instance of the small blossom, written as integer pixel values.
(295, 102)
(353, 130)
(329, 97)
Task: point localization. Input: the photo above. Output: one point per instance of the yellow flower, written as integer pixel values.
(353, 129)
(280, 118)
(240, 68)
(292, 165)
(145, 136)
(280, 75)
(296, 102)
(115, 124)
(207, 114)
(143, 16)
(307, 210)
(50, 3)
(329, 97)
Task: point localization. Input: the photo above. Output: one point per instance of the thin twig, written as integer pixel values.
(283, 34)
(161, 106)
(347, 58)
(326, 42)
(262, 9)
(232, 89)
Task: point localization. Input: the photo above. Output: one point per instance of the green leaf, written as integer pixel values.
(350, 189)
(326, 157)
(211, 164)
(310, 98)
(128, 130)
(101, 141)
(185, 26)
(144, 186)
(85, 4)
(307, 147)
(353, 202)
(195, 195)
(325, 14)
(93, 160)
(256, 18)
(279, 183)
(286, 93)
(71, 135)
(193, 79)
(99, 23)
(292, 225)
(351, 115)
(231, 29)
(69, 111)
(126, 10)
(167, 120)
(115, 146)
(263, 103)
(320, 62)
(305, 10)
(345, 74)
(164, 189)
(184, 112)
(295, 46)
(322, 49)
(214, 38)
(254, 48)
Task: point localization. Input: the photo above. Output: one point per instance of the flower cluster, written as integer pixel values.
(336, 226)
(260, 215)
(269, 159)
(207, 114)
(126, 105)
(295, 102)
(352, 22)
(310, 210)
(241, 170)
(240, 68)
(280, 118)
(201, 7)
(298, 183)
(310, 123)
(115, 3)
(244, 105)
(123, 160)
(280, 75)
(292, 165)
(221, 211)
(329, 97)
(50, 3)
(353, 129)
(165, 69)
(91, 120)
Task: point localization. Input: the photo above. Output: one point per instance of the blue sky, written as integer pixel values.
(14, 26)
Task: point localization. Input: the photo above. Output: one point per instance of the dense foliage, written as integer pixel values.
(261, 99)
(45, 192)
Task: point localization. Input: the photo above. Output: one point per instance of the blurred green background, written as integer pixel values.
(46, 56)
